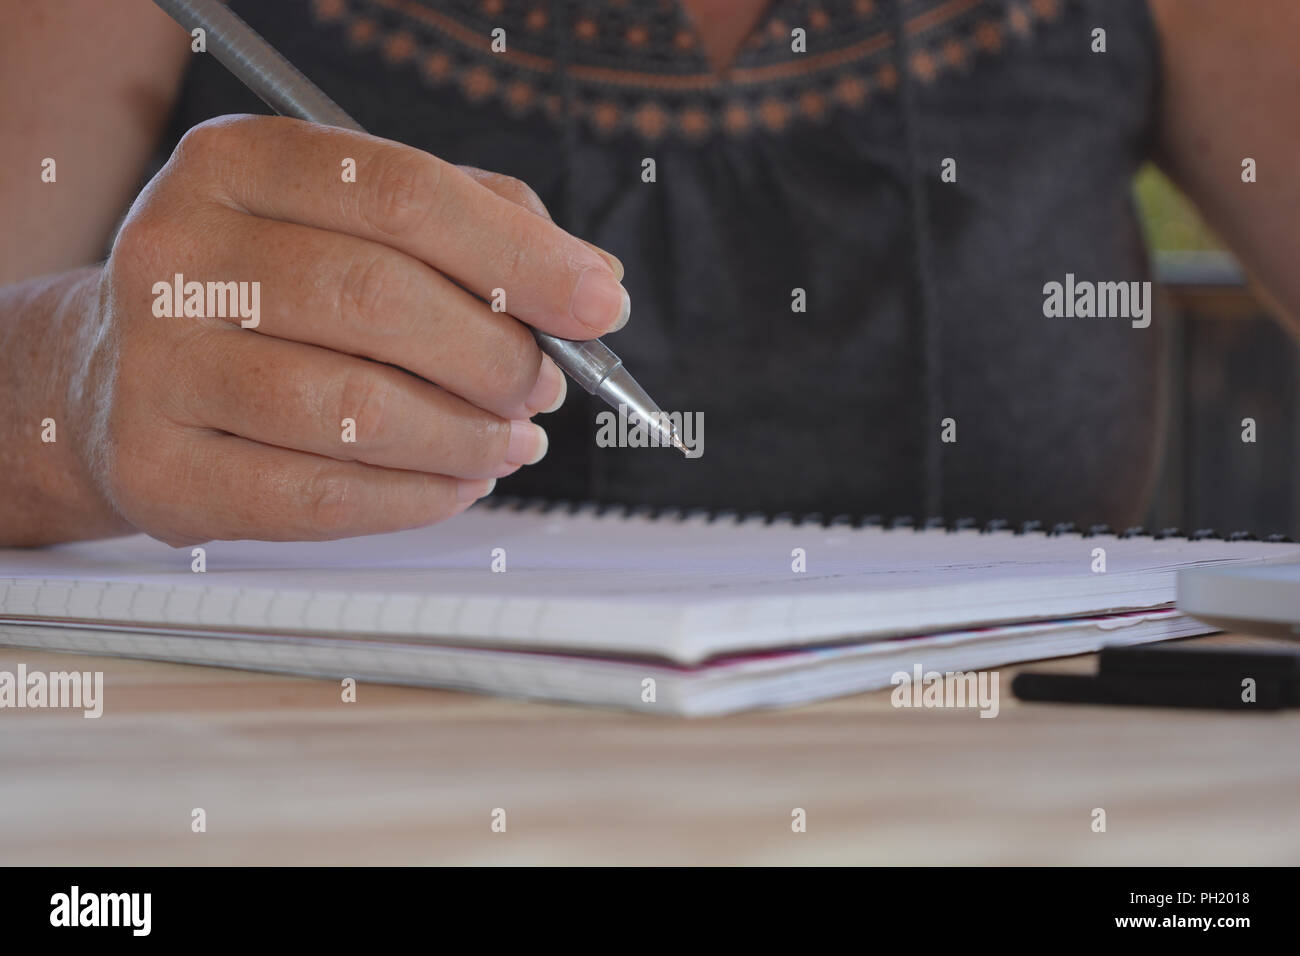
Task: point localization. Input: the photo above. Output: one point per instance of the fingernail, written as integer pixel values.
(600, 302)
(471, 489)
(551, 388)
(614, 262)
(528, 443)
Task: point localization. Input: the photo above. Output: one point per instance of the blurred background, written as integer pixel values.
(1231, 360)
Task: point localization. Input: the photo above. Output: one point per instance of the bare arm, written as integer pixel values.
(88, 85)
(1232, 91)
(344, 372)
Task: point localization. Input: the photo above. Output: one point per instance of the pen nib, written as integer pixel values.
(677, 443)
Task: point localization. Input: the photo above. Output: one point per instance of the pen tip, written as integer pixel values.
(677, 443)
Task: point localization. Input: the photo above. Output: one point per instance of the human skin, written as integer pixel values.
(373, 293)
(374, 311)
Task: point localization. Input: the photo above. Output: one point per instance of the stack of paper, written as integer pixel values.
(667, 615)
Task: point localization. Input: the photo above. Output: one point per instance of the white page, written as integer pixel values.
(680, 590)
(772, 680)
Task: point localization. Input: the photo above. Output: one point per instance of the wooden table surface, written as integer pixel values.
(289, 774)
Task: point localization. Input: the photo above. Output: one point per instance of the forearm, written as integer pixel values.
(1229, 137)
(47, 490)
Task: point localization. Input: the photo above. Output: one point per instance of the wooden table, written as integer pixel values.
(288, 773)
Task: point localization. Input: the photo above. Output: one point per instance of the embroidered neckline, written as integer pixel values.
(636, 69)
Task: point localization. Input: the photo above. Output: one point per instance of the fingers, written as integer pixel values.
(521, 194)
(416, 203)
(507, 187)
(337, 406)
(366, 299)
(229, 488)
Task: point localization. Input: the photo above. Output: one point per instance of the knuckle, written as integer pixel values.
(196, 144)
(520, 193)
(372, 289)
(511, 260)
(208, 139)
(428, 500)
(203, 164)
(332, 503)
(403, 188)
(510, 370)
(489, 440)
(364, 397)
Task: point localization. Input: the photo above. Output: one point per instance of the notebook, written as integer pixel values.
(587, 604)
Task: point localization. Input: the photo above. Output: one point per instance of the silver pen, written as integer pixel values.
(283, 87)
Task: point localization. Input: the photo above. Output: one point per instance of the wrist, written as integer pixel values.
(52, 343)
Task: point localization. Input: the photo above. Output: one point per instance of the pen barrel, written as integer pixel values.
(588, 363)
(284, 88)
(240, 49)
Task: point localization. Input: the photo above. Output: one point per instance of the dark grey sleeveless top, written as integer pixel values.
(820, 171)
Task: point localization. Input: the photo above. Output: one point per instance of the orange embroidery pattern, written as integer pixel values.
(769, 89)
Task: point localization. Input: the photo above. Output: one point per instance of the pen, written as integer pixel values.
(260, 67)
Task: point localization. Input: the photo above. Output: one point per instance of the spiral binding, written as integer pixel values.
(818, 519)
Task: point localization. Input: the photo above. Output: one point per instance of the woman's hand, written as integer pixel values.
(367, 384)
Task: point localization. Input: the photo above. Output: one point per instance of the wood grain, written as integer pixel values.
(289, 774)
